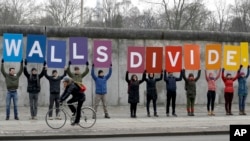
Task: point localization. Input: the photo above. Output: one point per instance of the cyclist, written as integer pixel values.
(77, 96)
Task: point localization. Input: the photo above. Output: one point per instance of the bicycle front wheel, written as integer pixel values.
(88, 117)
(57, 119)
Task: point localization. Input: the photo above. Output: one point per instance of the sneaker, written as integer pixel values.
(73, 124)
(16, 118)
(58, 118)
(106, 116)
(50, 118)
(31, 118)
(7, 118)
(34, 118)
(167, 114)
(231, 114)
(149, 115)
(174, 115)
(155, 115)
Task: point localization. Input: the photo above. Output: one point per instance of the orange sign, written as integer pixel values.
(173, 61)
(213, 56)
(154, 59)
(192, 56)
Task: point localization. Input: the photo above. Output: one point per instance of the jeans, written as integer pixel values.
(54, 98)
(33, 104)
(210, 100)
(242, 101)
(149, 98)
(11, 95)
(171, 95)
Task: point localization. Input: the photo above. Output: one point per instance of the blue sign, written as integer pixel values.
(56, 54)
(12, 47)
(36, 48)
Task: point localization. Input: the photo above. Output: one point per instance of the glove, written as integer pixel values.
(69, 63)
(21, 61)
(25, 62)
(87, 63)
(162, 71)
(223, 69)
(44, 63)
(145, 71)
(93, 65)
(248, 66)
(2, 60)
(241, 66)
(111, 65)
(127, 71)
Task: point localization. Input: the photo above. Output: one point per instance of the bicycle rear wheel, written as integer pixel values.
(58, 120)
(88, 117)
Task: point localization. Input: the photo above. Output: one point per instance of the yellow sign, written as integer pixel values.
(244, 54)
(231, 57)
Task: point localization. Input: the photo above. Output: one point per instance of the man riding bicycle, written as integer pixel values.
(77, 96)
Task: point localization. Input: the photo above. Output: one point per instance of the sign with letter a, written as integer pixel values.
(135, 63)
(78, 50)
(154, 59)
(173, 61)
(12, 47)
(36, 48)
(56, 55)
(102, 53)
(192, 56)
(213, 56)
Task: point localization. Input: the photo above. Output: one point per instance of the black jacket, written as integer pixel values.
(151, 86)
(54, 83)
(33, 81)
(74, 90)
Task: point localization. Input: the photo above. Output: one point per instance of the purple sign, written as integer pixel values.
(102, 54)
(56, 55)
(78, 50)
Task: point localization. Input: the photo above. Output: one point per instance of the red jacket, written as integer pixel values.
(229, 88)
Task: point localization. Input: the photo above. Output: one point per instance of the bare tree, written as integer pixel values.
(64, 12)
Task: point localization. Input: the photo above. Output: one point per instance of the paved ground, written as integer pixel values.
(121, 124)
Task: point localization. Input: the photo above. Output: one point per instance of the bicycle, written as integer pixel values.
(87, 119)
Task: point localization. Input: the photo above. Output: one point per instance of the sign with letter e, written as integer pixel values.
(239, 132)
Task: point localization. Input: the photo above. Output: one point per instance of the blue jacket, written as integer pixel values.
(242, 84)
(171, 81)
(101, 82)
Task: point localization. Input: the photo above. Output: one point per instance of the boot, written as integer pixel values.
(188, 112)
(106, 115)
(192, 111)
(155, 114)
(243, 112)
(212, 113)
(240, 113)
(148, 114)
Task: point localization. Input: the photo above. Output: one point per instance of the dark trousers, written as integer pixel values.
(33, 104)
(210, 100)
(171, 95)
(149, 98)
(228, 101)
(74, 109)
(54, 98)
(133, 107)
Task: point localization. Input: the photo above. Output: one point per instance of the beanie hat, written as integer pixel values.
(33, 69)
(100, 71)
(54, 71)
(66, 79)
(76, 68)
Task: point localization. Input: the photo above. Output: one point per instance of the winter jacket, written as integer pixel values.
(190, 85)
(77, 77)
(54, 82)
(229, 88)
(211, 82)
(133, 89)
(101, 82)
(12, 81)
(151, 86)
(242, 86)
(33, 81)
(74, 90)
(171, 81)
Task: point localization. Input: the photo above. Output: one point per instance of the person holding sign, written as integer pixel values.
(101, 88)
(33, 87)
(12, 83)
(76, 76)
(133, 92)
(211, 93)
(54, 82)
(243, 91)
(152, 92)
(229, 89)
(170, 80)
(190, 87)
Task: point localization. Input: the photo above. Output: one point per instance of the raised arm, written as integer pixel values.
(2, 69)
(218, 75)
(46, 74)
(165, 76)
(26, 72)
(160, 78)
(126, 77)
(93, 72)
(143, 77)
(206, 75)
(69, 71)
(222, 75)
(198, 75)
(86, 70)
(237, 74)
(248, 68)
(109, 73)
(184, 74)
(64, 74)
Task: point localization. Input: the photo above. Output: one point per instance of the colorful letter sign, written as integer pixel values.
(154, 59)
(78, 50)
(56, 55)
(36, 48)
(192, 56)
(12, 47)
(231, 60)
(102, 53)
(213, 56)
(173, 61)
(135, 63)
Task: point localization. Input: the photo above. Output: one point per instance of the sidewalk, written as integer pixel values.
(121, 124)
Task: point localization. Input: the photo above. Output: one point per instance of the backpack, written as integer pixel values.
(81, 86)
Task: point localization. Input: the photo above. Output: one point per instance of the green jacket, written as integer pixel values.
(190, 85)
(77, 77)
(12, 82)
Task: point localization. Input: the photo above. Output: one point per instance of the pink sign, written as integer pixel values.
(136, 59)
(102, 53)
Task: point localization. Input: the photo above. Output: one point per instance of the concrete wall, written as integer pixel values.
(117, 87)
